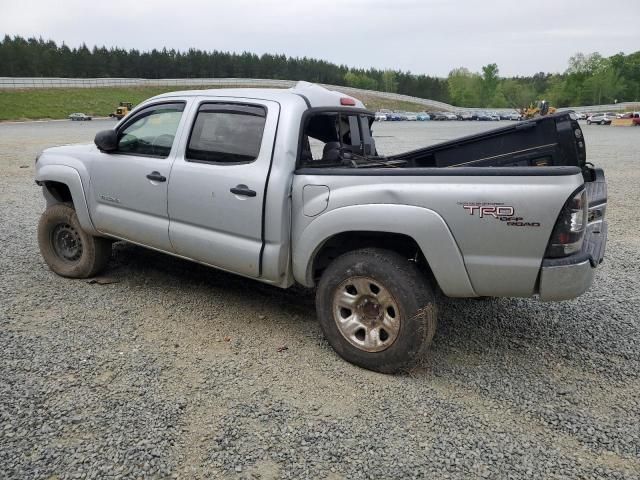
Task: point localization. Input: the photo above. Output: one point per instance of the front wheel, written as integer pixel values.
(67, 249)
(376, 309)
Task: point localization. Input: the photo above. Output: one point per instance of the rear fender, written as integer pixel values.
(71, 178)
(425, 226)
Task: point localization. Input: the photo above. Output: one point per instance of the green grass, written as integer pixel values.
(56, 103)
(60, 102)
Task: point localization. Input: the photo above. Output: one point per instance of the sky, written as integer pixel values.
(422, 36)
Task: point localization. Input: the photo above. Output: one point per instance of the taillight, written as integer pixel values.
(347, 101)
(568, 232)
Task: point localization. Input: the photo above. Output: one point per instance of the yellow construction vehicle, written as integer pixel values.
(538, 109)
(122, 110)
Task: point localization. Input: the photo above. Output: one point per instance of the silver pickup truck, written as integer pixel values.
(287, 186)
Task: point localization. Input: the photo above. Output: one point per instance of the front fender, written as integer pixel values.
(425, 226)
(71, 178)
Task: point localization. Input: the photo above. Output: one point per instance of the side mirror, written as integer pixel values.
(106, 140)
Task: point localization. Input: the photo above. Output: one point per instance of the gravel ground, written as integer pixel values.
(176, 370)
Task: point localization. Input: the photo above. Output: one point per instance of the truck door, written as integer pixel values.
(129, 186)
(217, 185)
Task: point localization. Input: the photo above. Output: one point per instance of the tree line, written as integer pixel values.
(589, 79)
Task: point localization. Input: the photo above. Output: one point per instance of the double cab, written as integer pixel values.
(287, 186)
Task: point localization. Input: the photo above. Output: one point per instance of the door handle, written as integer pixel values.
(157, 177)
(243, 190)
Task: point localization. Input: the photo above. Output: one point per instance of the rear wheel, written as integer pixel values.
(67, 249)
(376, 309)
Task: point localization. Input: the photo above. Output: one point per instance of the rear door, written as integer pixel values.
(129, 186)
(218, 182)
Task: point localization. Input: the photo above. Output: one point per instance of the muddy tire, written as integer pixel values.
(376, 309)
(67, 249)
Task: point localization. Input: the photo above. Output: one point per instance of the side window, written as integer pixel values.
(226, 133)
(152, 131)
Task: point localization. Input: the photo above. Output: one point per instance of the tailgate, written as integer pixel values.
(596, 235)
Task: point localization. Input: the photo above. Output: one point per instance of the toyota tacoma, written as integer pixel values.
(287, 187)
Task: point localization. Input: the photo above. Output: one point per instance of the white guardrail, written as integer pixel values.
(23, 83)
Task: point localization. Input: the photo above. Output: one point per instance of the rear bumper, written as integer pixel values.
(566, 281)
(569, 277)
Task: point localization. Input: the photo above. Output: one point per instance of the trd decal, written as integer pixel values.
(495, 211)
(499, 211)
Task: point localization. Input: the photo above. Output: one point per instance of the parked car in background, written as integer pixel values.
(580, 115)
(380, 117)
(504, 115)
(494, 116)
(411, 116)
(450, 116)
(423, 116)
(636, 118)
(465, 116)
(515, 116)
(440, 116)
(483, 116)
(601, 118)
(79, 117)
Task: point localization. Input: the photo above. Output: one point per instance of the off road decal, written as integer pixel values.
(498, 211)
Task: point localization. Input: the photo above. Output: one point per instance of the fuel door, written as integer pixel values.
(315, 199)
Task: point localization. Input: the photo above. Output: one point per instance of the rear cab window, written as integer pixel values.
(331, 137)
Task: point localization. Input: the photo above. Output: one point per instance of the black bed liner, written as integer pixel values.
(553, 140)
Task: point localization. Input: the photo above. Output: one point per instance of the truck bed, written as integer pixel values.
(553, 140)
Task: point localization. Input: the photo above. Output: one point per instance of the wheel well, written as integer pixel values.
(59, 191)
(348, 241)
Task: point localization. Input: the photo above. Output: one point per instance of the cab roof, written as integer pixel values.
(312, 94)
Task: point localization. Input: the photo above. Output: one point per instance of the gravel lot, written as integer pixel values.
(177, 370)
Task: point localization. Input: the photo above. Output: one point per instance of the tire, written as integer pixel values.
(393, 315)
(68, 250)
